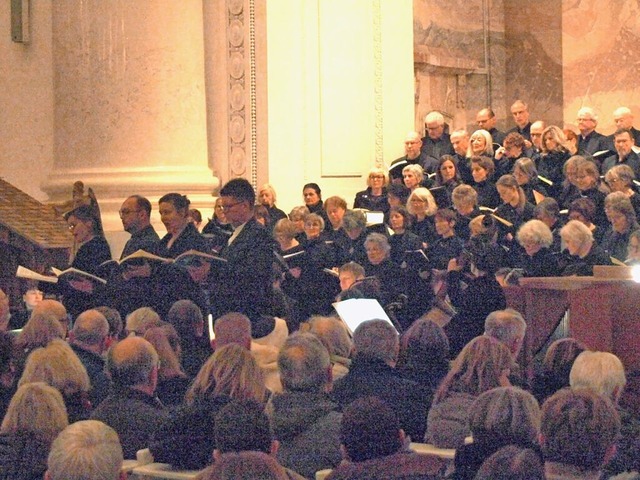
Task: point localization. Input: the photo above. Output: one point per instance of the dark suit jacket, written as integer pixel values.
(592, 143)
(243, 284)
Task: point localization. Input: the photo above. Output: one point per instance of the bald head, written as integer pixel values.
(132, 362)
(537, 128)
(91, 328)
(232, 328)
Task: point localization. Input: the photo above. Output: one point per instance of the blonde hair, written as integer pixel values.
(230, 371)
(58, 366)
(38, 409)
(43, 325)
(423, 194)
(477, 368)
(166, 341)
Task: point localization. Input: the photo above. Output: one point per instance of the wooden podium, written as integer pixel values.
(604, 312)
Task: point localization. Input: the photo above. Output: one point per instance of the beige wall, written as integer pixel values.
(26, 100)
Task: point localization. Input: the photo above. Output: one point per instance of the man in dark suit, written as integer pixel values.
(486, 119)
(623, 143)
(589, 141)
(436, 142)
(243, 284)
(623, 118)
(520, 112)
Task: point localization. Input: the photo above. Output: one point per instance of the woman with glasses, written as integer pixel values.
(374, 198)
(422, 206)
(620, 178)
(622, 218)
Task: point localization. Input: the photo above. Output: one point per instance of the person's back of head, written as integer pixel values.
(84, 450)
(370, 429)
(90, 328)
(7, 352)
(186, 317)
(114, 319)
(131, 362)
(304, 364)
(512, 463)
(601, 372)
(141, 319)
(508, 327)
(505, 415)
(232, 327)
(377, 339)
(424, 344)
(242, 426)
(253, 465)
(579, 428)
(332, 333)
(45, 324)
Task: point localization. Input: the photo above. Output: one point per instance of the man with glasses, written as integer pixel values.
(623, 143)
(486, 120)
(135, 214)
(413, 156)
(589, 141)
(243, 283)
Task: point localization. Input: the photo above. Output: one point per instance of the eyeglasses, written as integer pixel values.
(376, 177)
(226, 208)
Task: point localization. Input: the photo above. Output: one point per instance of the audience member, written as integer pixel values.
(509, 327)
(256, 465)
(36, 415)
(335, 337)
(140, 320)
(86, 450)
(186, 439)
(372, 373)
(131, 408)
(578, 434)
(512, 463)
(304, 420)
(556, 367)
(58, 366)
(186, 317)
(89, 340)
(7, 371)
(483, 364)
(374, 446)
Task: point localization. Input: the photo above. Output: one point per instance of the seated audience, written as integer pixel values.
(36, 415)
(373, 445)
(304, 419)
(335, 337)
(556, 366)
(372, 372)
(86, 450)
(186, 439)
(256, 465)
(89, 340)
(172, 381)
(578, 434)
(58, 366)
(140, 320)
(7, 371)
(131, 408)
(483, 364)
(603, 373)
(500, 417)
(186, 317)
(512, 463)
(114, 319)
(509, 327)
(424, 355)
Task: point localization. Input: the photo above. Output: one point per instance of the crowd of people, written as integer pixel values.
(280, 388)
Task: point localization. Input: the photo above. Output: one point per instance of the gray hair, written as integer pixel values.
(620, 203)
(577, 231)
(506, 326)
(379, 240)
(141, 319)
(465, 195)
(298, 213)
(623, 172)
(535, 231)
(353, 220)
(588, 112)
(332, 333)
(434, 117)
(417, 170)
(91, 327)
(304, 363)
(377, 339)
(601, 372)
(85, 449)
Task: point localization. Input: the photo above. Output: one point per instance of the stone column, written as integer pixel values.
(130, 106)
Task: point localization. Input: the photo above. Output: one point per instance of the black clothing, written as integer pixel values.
(597, 197)
(583, 267)
(195, 352)
(511, 214)
(275, 214)
(171, 391)
(429, 165)
(188, 239)
(615, 243)
(524, 131)
(469, 458)
(592, 143)
(632, 160)
(186, 439)
(134, 415)
(497, 137)
(550, 167)
(19, 319)
(94, 364)
(425, 230)
(401, 243)
(462, 224)
(443, 250)
(536, 185)
(482, 296)
(23, 456)
(318, 209)
(348, 250)
(567, 194)
(434, 149)
(375, 203)
(391, 276)
(243, 284)
(543, 263)
(488, 195)
(146, 239)
(635, 136)
(370, 376)
(217, 234)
